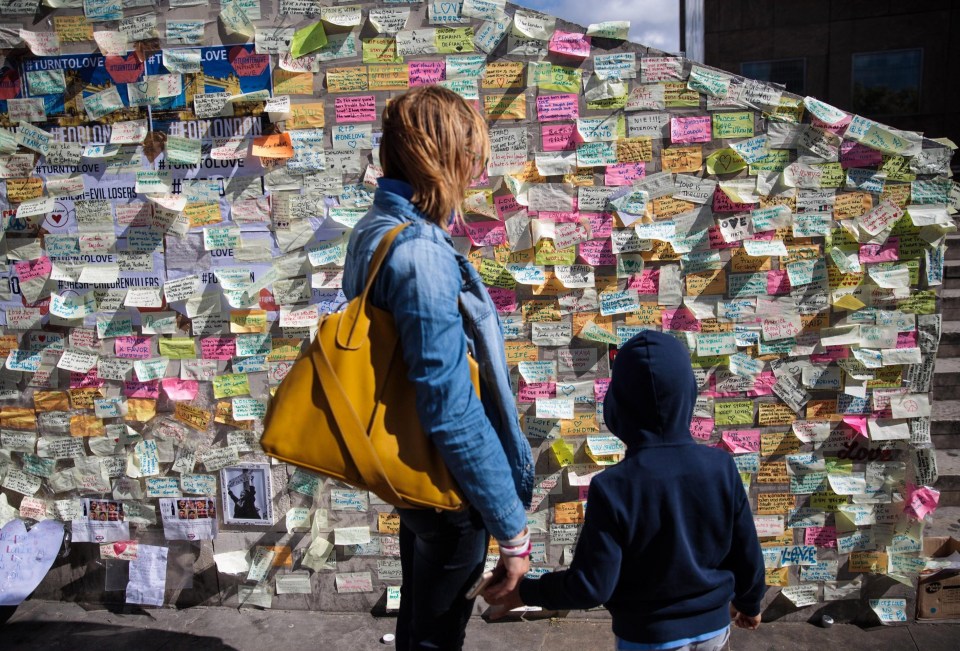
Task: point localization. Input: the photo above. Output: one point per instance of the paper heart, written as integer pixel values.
(9, 83)
(119, 547)
(246, 62)
(124, 70)
(27, 557)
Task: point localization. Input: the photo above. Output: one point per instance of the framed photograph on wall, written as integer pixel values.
(247, 494)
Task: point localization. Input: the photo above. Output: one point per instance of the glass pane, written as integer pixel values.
(789, 72)
(887, 82)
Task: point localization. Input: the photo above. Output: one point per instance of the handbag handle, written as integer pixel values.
(354, 437)
(352, 330)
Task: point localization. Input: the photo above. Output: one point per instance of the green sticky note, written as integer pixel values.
(308, 39)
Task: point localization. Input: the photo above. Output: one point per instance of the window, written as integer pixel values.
(792, 73)
(887, 83)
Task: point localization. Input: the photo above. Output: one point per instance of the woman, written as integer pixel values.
(434, 144)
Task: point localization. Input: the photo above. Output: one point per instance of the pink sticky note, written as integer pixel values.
(763, 384)
(457, 228)
(820, 536)
(680, 319)
(601, 224)
(907, 339)
(558, 217)
(137, 389)
(646, 282)
(837, 128)
(778, 282)
(582, 492)
(830, 354)
(920, 501)
(361, 108)
(624, 173)
(506, 205)
(597, 252)
(600, 387)
(504, 299)
(90, 379)
(424, 73)
(692, 129)
(218, 347)
(132, 347)
(717, 241)
(30, 269)
(559, 137)
(858, 423)
(570, 44)
(565, 106)
(701, 428)
(722, 203)
(889, 251)
(486, 233)
(528, 393)
(853, 154)
(742, 440)
(177, 389)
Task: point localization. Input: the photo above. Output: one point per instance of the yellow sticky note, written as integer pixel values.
(505, 106)
(292, 83)
(733, 412)
(563, 451)
(389, 76)
(848, 302)
(140, 410)
(244, 321)
(381, 49)
(308, 39)
(306, 116)
(86, 425)
(453, 40)
(724, 161)
(202, 214)
(178, 347)
(347, 80)
(231, 384)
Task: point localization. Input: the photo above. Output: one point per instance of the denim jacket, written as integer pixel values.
(441, 308)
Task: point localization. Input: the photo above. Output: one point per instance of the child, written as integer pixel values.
(668, 541)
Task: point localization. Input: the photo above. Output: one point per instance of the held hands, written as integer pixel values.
(751, 623)
(503, 592)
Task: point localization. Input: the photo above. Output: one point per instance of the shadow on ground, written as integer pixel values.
(80, 636)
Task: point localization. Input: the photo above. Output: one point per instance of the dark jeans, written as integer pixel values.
(441, 555)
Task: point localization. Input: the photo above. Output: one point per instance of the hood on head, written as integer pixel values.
(652, 391)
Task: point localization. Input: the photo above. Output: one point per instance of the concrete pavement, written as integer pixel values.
(58, 626)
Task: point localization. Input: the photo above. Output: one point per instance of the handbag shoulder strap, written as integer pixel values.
(353, 327)
(351, 430)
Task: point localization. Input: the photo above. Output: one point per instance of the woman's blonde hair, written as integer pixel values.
(434, 140)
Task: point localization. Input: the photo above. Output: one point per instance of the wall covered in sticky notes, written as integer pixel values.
(179, 189)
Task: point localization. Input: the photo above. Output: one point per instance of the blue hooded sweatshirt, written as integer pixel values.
(668, 540)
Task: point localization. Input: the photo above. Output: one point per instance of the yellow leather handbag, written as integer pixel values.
(347, 409)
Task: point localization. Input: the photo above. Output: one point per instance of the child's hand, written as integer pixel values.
(751, 623)
(502, 605)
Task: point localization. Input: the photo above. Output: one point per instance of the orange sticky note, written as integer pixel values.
(276, 146)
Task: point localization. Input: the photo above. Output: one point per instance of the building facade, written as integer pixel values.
(887, 61)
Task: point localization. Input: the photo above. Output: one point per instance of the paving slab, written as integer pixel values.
(42, 625)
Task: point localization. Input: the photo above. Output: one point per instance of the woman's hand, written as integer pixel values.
(506, 577)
